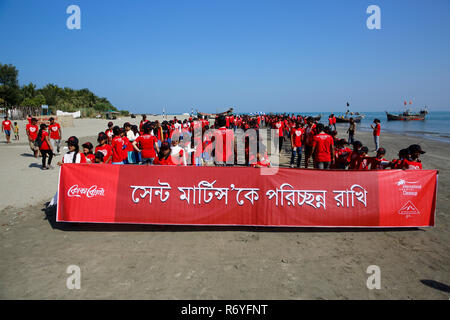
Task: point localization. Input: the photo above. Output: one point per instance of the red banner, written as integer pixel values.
(243, 196)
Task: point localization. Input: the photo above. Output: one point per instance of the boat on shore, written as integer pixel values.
(214, 115)
(346, 119)
(407, 116)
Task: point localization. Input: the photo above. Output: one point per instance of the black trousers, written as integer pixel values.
(44, 156)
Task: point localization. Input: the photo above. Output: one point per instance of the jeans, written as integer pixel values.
(55, 144)
(351, 138)
(322, 165)
(147, 160)
(298, 151)
(376, 139)
(44, 157)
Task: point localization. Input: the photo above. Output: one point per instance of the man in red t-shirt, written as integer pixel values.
(297, 137)
(224, 143)
(32, 132)
(55, 134)
(376, 132)
(310, 131)
(323, 149)
(6, 128)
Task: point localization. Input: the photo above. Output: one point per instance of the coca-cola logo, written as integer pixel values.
(90, 192)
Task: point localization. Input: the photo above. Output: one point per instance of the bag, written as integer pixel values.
(38, 142)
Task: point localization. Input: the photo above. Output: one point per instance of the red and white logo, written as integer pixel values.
(409, 188)
(409, 208)
(90, 192)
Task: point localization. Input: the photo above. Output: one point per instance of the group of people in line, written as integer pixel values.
(191, 142)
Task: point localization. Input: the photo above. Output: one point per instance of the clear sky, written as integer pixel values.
(257, 55)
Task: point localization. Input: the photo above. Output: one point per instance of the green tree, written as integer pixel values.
(9, 84)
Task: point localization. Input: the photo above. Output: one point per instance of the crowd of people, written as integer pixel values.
(196, 141)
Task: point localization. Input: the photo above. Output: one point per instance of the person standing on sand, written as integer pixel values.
(376, 133)
(323, 149)
(16, 131)
(6, 128)
(309, 136)
(32, 131)
(74, 155)
(45, 146)
(351, 131)
(104, 147)
(55, 134)
(297, 137)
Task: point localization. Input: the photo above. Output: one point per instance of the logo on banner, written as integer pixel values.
(409, 188)
(90, 192)
(408, 209)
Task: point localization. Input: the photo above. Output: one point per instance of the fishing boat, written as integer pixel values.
(214, 115)
(346, 119)
(407, 116)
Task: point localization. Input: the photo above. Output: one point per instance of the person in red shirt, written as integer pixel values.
(400, 163)
(376, 133)
(362, 162)
(223, 153)
(323, 149)
(280, 126)
(109, 132)
(141, 124)
(309, 136)
(118, 146)
(55, 134)
(87, 150)
(32, 132)
(44, 146)
(297, 137)
(104, 147)
(6, 128)
(413, 162)
(164, 158)
(148, 145)
(342, 154)
(354, 155)
(379, 162)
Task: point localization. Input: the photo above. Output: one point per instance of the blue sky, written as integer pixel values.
(293, 56)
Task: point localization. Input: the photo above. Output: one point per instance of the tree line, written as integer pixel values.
(57, 98)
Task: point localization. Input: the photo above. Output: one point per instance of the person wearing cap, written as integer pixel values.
(164, 158)
(74, 155)
(55, 134)
(98, 157)
(104, 147)
(399, 163)
(43, 143)
(376, 132)
(87, 151)
(413, 162)
(379, 162)
(6, 128)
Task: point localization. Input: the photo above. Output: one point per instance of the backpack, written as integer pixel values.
(38, 142)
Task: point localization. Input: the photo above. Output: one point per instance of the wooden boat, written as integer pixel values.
(214, 115)
(407, 116)
(342, 119)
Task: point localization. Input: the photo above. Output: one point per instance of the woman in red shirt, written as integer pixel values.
(104, 148)
(164, 158)
(148, 145)
(44, 146)
(87, 150)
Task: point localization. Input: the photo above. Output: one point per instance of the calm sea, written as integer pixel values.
(435, 127)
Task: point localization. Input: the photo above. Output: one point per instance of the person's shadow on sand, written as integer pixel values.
(29, 155)
(436, 285)
(50, 216)
(35, 165)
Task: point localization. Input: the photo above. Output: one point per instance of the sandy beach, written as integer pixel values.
(162, 262)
